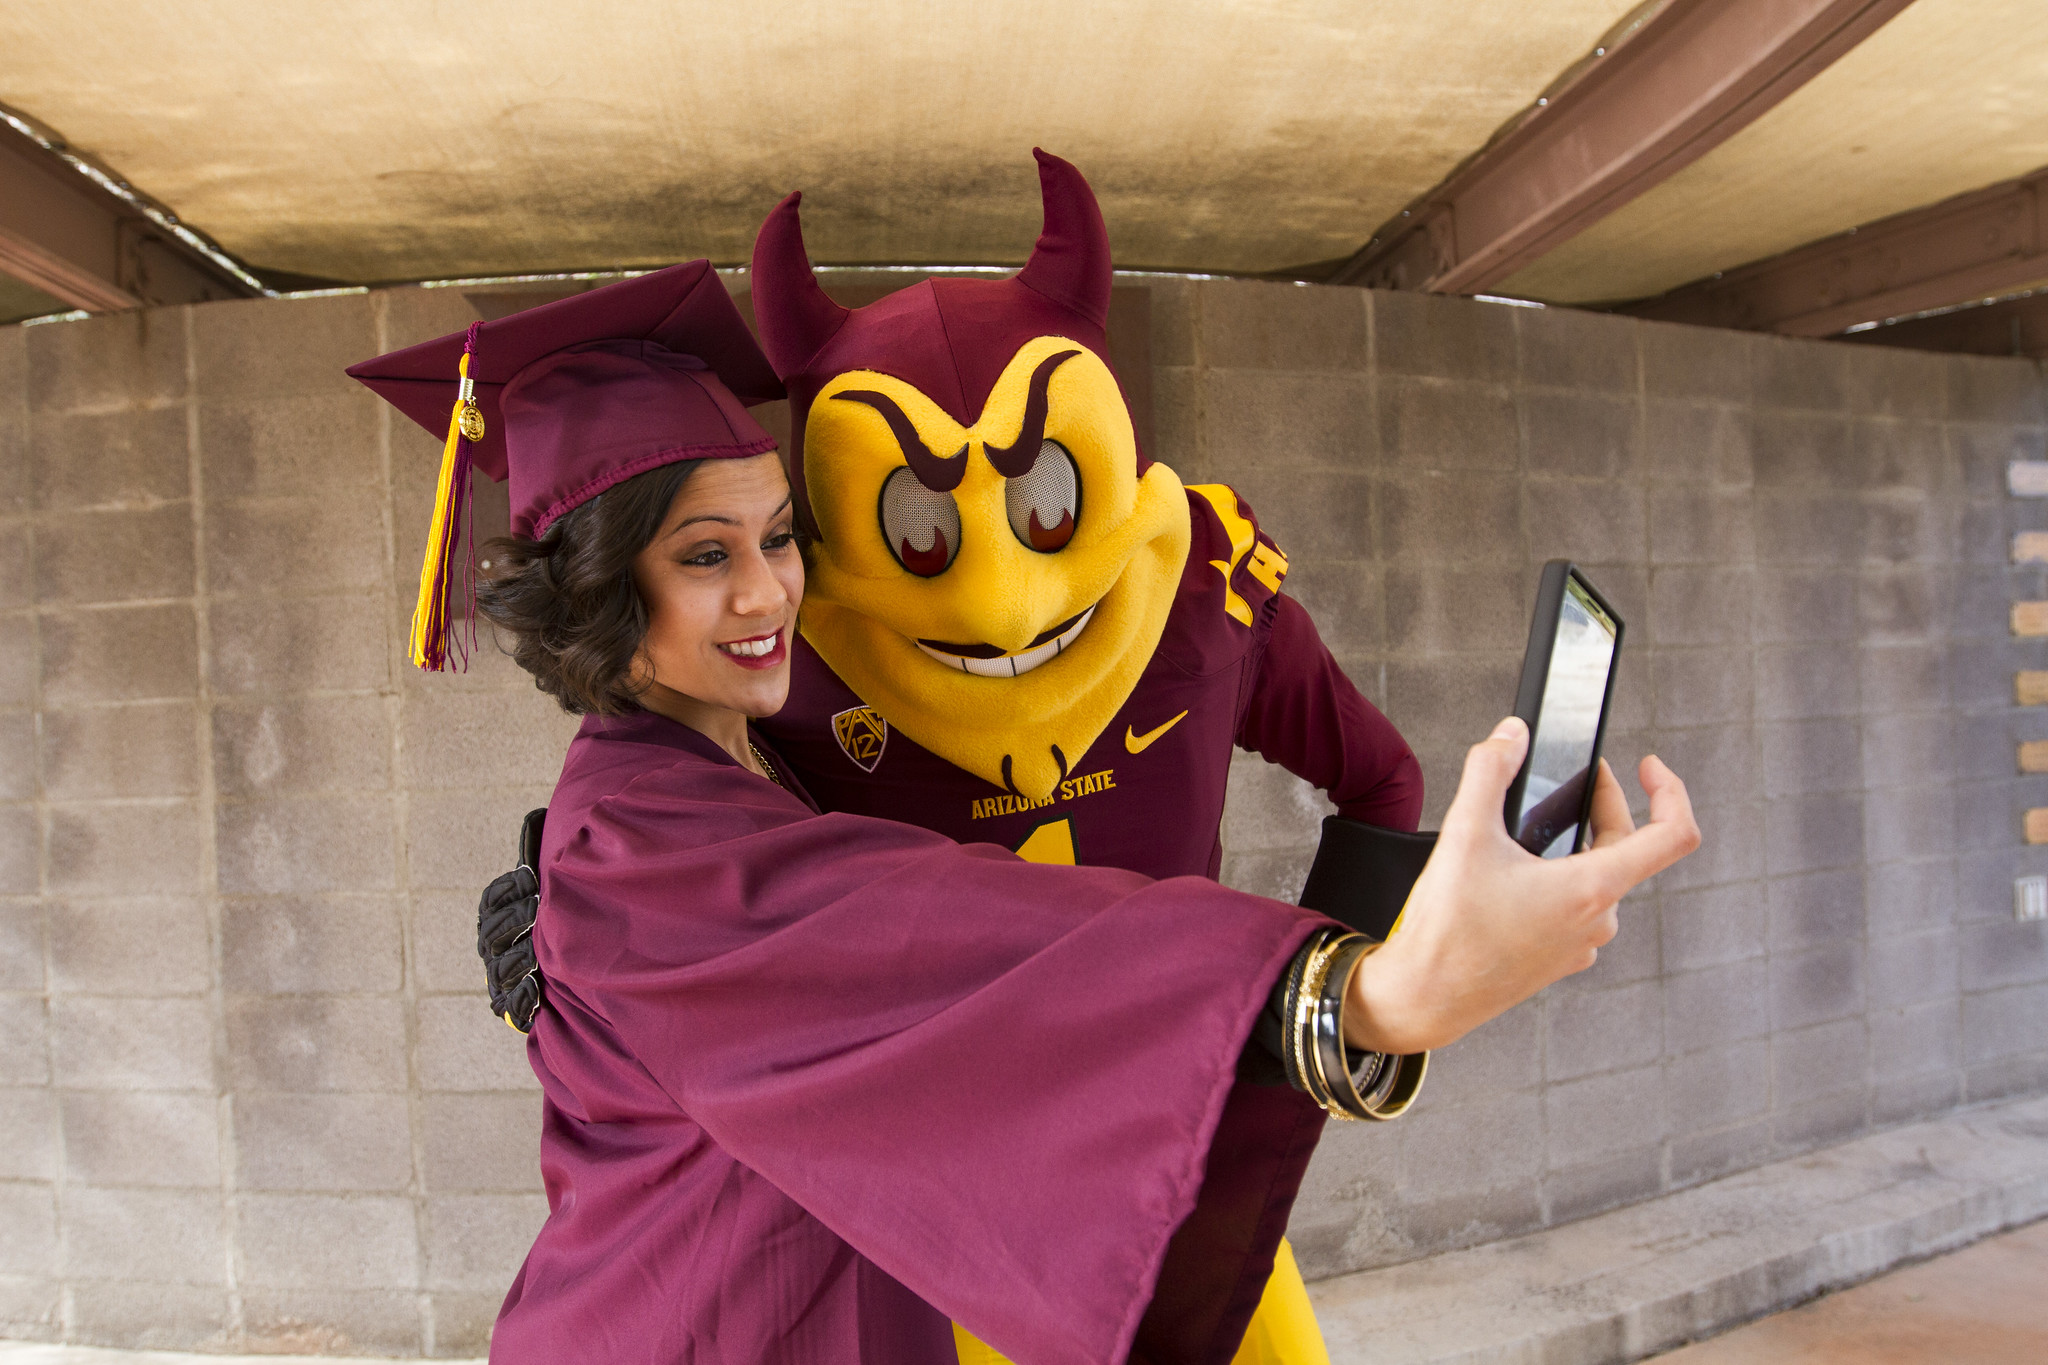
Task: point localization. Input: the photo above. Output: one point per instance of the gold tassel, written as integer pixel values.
(430, 613)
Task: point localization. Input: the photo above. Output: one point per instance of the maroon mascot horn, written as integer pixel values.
(949, 337)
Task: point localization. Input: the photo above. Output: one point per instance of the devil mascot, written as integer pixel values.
(1019, 630)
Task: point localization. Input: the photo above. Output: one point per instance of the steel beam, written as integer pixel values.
(1670, 87)
(73, 239)
(2015, 326)
(1976, 245)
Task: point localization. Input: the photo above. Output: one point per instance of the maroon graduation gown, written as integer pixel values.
(1142, 798)
(815, 1084)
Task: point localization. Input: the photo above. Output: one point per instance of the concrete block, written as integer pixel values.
(1995, 954)
(1798, 527)
(1603, 1115)
(1695, 362)
(1904, 604)
(1821, 1122)
(1175, 320)
(149, 1317)
(1915, 1042)
(1177, 426)
(1719, 763)
(108, 850)
(1901, 454)
(1250, 325)
(1980, 534)
(160, 1236)
(28, 1134)
(1445, 424)
(479, 1241)
(1502, 1055)
(20, 850)
(1825, 1060)
(1566, 348)
(323, 1142)
(1699, 1157)
(1700, 606)
(1269, 809)
(330, 1322)
(462, 1047)
(118, 654)
(1996, 389)
(2000, 1023)
(1598, 523)
(1816, 908)
(17, 561)
(1806, 451)
(1913, 750)
(1807, 833)
(316, 1241)
(262, 645)
(461, 1322)
(1804, 756)
(1311, 512)
(1981, 451)
(411, 316)
(1607, 1030)
(1795, 373)
(29, 1213)
(490, 1142)
(1898, 382)
(1462, 1150)
(1912, 969)
(284, 447)
(1903, 677)
(1905, 822)
(1801, 605)
(1437, 335)
(466, 740)
(1731, 850)
(283, 348)
(318, 1043)
(1715, 1087)
(1989, 813)
(332, 543)
(19, 668)
(1696, 687)
(1344, 597)
(442, 936)
(132, 1043)
(145, 946)
(287, 944)
(460, 840)
(329, 744)
(1455, 610)
(109, 460)
(31, 1308)
(1580, 435)
(1450, 1224)
(1632, 956)
(22, 946)
(1912, 1099)
(1818, 985)
(1716, 1006)
(26, 1061)
(1604, 1183)
(1909, 528)
(2025, 1075)
(1701, 524)
(109, 363)
(1713, 926)
(146, 749)
(307, 844)
(1688, 442)
(1982, 885)
(116, 555)
(142, 1138)
(1461, 519)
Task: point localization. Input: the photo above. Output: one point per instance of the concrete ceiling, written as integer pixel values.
(1950, 96)
(379, 140)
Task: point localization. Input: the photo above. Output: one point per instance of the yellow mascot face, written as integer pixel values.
(993, 590)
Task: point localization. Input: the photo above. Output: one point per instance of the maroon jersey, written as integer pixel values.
(1239, 664)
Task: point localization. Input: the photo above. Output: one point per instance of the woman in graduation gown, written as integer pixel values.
(819, 1086)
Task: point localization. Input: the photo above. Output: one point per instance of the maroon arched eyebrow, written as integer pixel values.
(940, 473)
(1014, 461)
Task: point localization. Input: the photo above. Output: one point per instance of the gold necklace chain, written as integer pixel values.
(762, 759)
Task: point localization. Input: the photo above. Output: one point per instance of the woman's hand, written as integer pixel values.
(1489, 924)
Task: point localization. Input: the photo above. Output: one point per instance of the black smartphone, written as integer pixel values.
(1567, 688)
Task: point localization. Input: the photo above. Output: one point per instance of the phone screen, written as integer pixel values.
(1567, 726)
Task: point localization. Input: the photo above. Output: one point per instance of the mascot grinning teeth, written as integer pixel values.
(995, 559)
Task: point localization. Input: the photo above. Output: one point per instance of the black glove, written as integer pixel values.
(504, 932)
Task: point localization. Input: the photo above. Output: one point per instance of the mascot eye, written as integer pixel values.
(1044, 499)
(922, 527)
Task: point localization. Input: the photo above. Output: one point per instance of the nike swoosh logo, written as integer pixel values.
(1138, 743)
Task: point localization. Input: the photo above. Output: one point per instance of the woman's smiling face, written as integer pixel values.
(721, 581)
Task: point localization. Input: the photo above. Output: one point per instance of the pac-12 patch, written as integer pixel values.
(861, 734)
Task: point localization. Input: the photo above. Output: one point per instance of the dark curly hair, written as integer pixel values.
(568, 601)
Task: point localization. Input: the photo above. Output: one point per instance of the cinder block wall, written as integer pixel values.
(253, 1101)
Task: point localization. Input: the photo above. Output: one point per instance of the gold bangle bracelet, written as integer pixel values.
(1379, 1086)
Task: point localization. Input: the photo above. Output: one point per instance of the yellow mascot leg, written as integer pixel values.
(1283, 1330)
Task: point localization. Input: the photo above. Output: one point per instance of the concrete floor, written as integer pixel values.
(1984, 1305)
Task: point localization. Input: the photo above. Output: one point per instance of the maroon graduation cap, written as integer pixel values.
(570, 398)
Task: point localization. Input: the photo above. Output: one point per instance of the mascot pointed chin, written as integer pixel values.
(995, 557)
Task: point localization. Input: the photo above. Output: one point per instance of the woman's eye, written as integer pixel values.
(922, 527)
(1045, 499)
(780, 540)
(707, 559)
